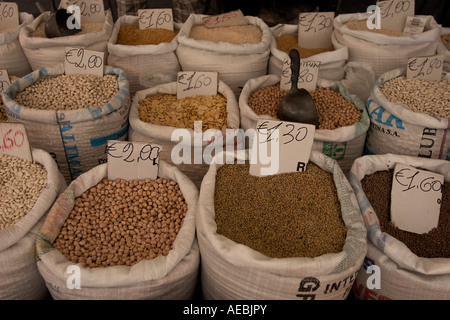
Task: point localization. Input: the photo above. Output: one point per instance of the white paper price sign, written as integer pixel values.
(132, 160)
(307, 78)
(233, 18)
(415, 199)
(280, 146)
(81, 61)
(14, 140)
(4, 80)
(425, 68)
(394, 13)
(155, 18)
(315, 29)
(191, 83)
(9, 15)
(89, 11)
(414, 25)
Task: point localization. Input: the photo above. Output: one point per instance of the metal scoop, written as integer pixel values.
(297, 105)
(56, 24)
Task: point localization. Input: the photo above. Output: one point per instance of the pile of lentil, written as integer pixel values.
(21, 182)
(434, 244)
(167, 110)
(86, 28)
(286, 215)
(290, 41)
(3, 116)
(430, 97)
(446, 40)
(232, 34)
(123, 222)
(131, 35)
(334, 111)
(362, 25)
(69, 92)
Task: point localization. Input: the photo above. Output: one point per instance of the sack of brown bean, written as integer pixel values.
(146, 56)
(158, 117)
(288, 236)
(409, 116)
(46, 52)
(382, 49)
(343, 119)
(237, 53)
(29, 189)
(405, 265)
(121, 240)
(71, 116)
(444, 47)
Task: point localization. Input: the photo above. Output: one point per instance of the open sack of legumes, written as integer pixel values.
(410, 266)
(237, 53)
(46, 52)
(409, 116)
(444, 47)
(343, 119)
(146, 56)
(29, 189)
(158, 117)
(71, 116)
(289, 236)
(118, 239)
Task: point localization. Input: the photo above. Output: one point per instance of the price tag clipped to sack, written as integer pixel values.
(4, 80)
(415, 199)
(315, 29)
(307, 77)
(227, 19)
(393, 13)
(81, 61)
(425, 68)
(14, 140)
(132, 160)
(192, 83)
(9, 15)
(88, 11)
(155, 18)
(414, 25)
(280, 146)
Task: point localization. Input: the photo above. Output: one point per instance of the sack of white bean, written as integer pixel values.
(46, 52)
(409, 116)
(238, 269)
(236, 53)
(28, 192)
(12, 57)
(404, 265)
(124, 248)
(444, 48)
(71, 116)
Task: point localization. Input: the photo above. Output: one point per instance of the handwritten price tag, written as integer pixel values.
(155, 18)
(307, 78)
(90, 11)
(280, 146)
(4, 80)
(132, 160)
(315, 29)
(191, 83)
(416, 199)
(394, 13)
(9, 15)
(233, 18)
(81, 61)
(425, 68)
(14, 140)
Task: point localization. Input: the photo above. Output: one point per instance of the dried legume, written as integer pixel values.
(85, 29)
(3, 116)
(131, 35)
(231, 34)
(290, 41)
(446, 40)
(362, 25)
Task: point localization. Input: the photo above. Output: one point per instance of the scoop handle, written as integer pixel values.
(295, 69)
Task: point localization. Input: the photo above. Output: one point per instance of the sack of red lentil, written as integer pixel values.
(182, 139)
(444, 47)
(236, 260)
(146, 56)
(237, 53)
(28, 192)
(71, 116)
(382, 49)
(342, 143)
(409, 116)
(408, 266)
(125, 248)
(46, 52)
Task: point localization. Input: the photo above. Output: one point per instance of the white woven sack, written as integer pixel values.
(234, 271)
(20, 277)
(343, 144)
(171, 277)
(235, 63)
(47, 52)
(442, 49)
(404, 275)
(144, 65)
(383, 52)
(12, 57)
(399, 130)
(331, 63)
(162, 135)
(75, 138)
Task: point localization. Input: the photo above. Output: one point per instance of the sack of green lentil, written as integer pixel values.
(125, 240)
(411, 266)
(247, 249)
(158, 117)
(342, 138)
(237, 53)
(444, 47)
(409, 116)
(71, 116)
(28, 192)
(46, 52)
